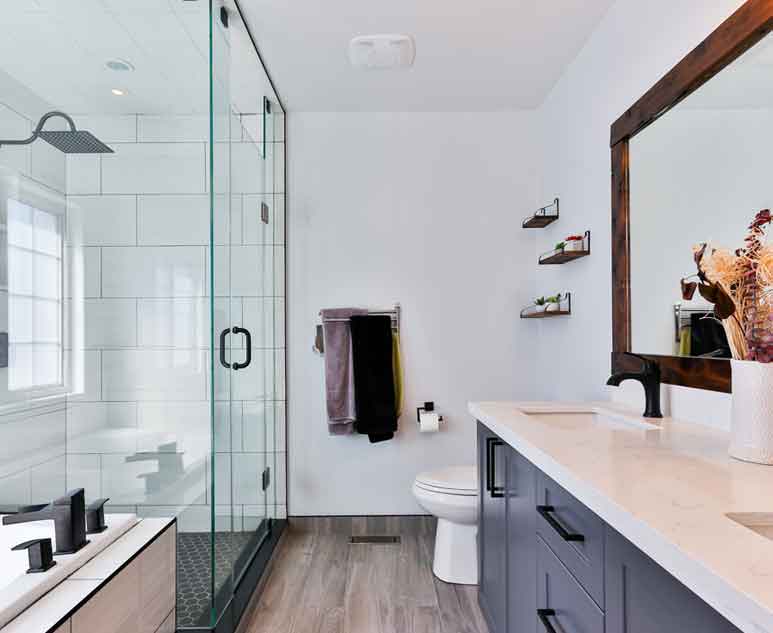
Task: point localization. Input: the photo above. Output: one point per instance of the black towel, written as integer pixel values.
(374, 390)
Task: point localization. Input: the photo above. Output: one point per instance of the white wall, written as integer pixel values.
(635, 44)
(424, 209)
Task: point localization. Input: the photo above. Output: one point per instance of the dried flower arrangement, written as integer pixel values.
(740, 286)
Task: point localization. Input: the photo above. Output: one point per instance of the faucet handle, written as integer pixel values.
(95, 516)
(40, 552)
(33, 508)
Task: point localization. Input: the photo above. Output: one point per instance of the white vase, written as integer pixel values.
(751, 433)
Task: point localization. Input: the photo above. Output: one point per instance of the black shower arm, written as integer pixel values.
(39, 128)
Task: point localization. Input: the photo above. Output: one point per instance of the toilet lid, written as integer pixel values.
(458, 480)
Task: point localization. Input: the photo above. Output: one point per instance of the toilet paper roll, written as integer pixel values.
(429, 422)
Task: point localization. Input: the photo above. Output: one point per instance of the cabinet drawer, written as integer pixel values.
(157, 581)
(115, 608)
(574, 533)
(562, 604)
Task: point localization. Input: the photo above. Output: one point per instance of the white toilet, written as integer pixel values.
(451, 494)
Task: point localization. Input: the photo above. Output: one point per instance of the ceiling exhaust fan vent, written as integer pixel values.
(380, 52)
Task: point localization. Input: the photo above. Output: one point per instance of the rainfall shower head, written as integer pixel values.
(75, 142)
(72, 141)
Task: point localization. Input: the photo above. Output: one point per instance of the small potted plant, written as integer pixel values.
(574, 243)
(553, 303)
(540, 304)
(739, 284)
(560, 246)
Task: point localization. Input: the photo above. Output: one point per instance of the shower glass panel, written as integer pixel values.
(244, 300)
(237, 286)
(142, 287)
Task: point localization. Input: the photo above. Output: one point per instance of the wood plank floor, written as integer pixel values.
(320, 583)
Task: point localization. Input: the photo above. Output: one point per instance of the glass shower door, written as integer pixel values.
(238, 382)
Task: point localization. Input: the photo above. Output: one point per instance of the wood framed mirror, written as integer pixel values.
(736, 37)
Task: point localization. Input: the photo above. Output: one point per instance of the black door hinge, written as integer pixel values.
(266, 479)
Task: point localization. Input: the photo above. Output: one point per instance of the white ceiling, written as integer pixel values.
(57, 50)
(471, 55)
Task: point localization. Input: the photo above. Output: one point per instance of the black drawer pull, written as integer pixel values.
(491, 487)
(546, 513)
(543, 615)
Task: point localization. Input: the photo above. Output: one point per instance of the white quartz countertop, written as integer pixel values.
(668, 490)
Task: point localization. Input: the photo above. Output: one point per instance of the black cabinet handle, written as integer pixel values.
(223, 361)
(248, 359)
(546, 512)
(491, 487)
(543, 615)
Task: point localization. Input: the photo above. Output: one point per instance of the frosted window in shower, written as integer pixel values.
(35, 304)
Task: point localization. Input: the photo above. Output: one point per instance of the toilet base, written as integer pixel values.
(456, 553)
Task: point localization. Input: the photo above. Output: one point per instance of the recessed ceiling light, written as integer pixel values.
(382, 51)
(118, 92)
(119, 65)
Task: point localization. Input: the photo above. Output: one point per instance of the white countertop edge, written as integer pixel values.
(736, 606)
(122, 550)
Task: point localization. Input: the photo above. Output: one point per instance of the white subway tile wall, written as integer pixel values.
(138, 428)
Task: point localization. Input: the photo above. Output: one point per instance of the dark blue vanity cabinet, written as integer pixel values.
(521, 555)
(492, 529)
(548, 564)
(643, 598)
(507, 557)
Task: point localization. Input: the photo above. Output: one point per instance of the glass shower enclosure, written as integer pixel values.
(142, 283)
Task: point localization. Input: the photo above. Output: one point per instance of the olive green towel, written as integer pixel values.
(397, 369)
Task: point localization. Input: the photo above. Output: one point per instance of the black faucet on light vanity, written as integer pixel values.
(649, 377)
(69, 516)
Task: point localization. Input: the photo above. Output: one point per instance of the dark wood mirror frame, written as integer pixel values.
(747, 26)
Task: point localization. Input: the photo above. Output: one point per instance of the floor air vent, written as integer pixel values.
(374, 540)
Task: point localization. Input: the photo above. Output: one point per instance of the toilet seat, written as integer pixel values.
(455, 480)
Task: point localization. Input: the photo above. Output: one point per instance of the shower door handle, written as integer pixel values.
(248, 359)
(223, 336)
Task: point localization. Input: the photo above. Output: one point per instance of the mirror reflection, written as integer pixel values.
(699, 174)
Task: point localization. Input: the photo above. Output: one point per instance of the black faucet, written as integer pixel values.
(649, 377)
(69, 516)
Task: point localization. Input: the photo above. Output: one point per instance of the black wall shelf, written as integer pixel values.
(562, 256)
(542, 312)
(542, 217)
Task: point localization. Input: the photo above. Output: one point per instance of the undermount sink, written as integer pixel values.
(591, 415)
(759, 522)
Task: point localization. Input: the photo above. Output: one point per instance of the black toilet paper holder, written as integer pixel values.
(428, 407)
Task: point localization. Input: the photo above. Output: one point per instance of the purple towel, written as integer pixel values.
(339, 375)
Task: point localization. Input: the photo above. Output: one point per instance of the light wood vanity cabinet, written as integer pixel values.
(564, 568)
(139, 598)
(115, 608)
(157, 582)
